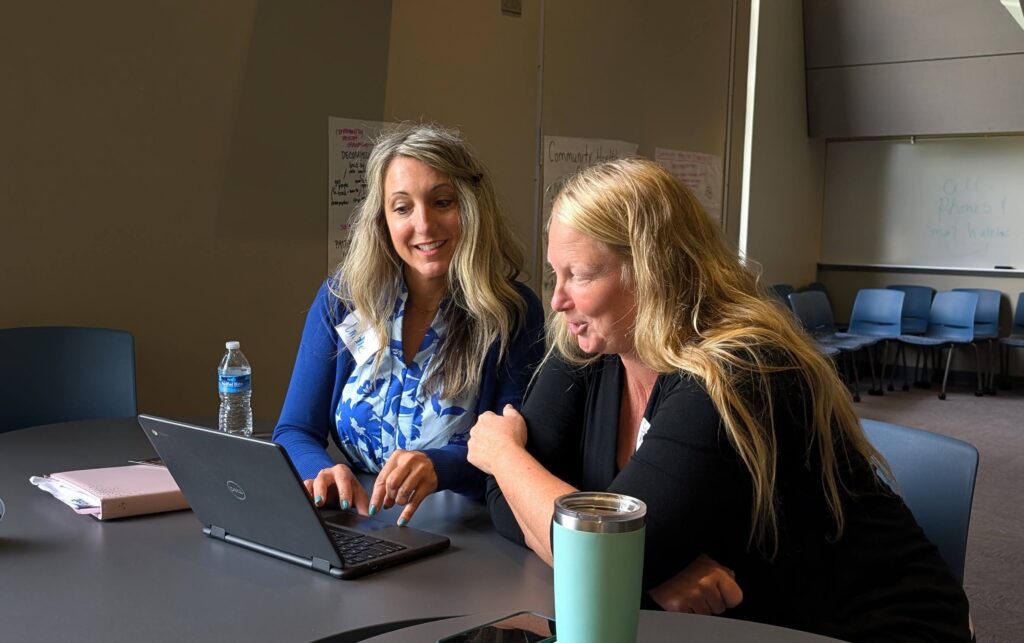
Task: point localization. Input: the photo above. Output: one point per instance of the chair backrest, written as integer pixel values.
(59, 374)
(810, 316)
(821, 309)
(952, 316)
(1018, 316)
(781, 291)
(935, 476)
(917, 304)
(877, 312)
(986, 317)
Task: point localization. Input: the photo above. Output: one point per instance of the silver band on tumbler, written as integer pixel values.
(599, 512)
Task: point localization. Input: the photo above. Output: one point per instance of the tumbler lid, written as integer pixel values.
(599, 512)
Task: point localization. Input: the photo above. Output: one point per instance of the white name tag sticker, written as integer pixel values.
(645, 426)
(363, 345)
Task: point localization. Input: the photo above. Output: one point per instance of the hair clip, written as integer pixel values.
(476, 178)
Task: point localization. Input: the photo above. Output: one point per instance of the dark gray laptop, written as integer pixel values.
(246, 492)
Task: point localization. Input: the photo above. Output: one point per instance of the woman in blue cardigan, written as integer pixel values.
(421, 328)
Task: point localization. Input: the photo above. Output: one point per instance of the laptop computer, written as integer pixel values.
(246, 492)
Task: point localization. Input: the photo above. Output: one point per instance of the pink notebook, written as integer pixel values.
(127, 491)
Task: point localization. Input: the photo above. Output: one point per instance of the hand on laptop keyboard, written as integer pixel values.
(338, 485)
(406, 479)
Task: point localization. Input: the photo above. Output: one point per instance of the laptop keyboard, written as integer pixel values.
(356, 547)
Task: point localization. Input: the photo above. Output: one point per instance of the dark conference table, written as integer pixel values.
(158, 578)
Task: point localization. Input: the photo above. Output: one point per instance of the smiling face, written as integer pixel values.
(590, 290)
(422, 212)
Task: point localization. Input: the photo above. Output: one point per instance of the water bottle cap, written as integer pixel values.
(600, 512)
(232, 346)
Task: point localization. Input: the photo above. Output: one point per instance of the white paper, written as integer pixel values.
(564, 156)
(700, 172)
(350, 142)
(69, 494)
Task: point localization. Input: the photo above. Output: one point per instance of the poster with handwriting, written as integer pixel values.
(350, 142)
(702, 173)
(563, 156)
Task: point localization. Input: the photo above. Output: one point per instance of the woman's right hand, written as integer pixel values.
(338, 485)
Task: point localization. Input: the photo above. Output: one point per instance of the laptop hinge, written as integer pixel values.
(321, 565)
(217, 532)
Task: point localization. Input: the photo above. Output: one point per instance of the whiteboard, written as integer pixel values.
(942, 203)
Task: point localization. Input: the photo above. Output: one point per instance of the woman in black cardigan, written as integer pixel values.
(672, 378)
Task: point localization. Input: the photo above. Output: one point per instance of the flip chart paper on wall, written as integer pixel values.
(700, 172)
(939, 203)
(563, 156)
(350, 142)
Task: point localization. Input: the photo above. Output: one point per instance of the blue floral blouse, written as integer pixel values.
(384, 409)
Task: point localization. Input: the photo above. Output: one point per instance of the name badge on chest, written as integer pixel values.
(363, 345)
(645, 426)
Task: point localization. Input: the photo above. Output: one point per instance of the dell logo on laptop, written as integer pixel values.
(236, 490)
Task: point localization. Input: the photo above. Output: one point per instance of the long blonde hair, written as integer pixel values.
(482, 304)
(700, 311)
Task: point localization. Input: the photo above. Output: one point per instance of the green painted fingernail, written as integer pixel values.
(402, 522)
(317, 500)
(373, 509)
(344, 504)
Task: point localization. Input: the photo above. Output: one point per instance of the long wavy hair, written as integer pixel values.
(701, 311)
(481, 305)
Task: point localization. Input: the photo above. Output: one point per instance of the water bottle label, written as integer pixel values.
(234, 383)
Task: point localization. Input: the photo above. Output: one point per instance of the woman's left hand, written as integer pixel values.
(702, 587)
(493, 435)
(406, 479)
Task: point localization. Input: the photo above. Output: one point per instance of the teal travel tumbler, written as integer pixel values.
(597, 540)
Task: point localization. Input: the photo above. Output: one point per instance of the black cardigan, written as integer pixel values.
(882, 580)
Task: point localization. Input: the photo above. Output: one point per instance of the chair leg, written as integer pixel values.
(856, 377)
(993, 361)
(903, 353)
(892, 366)
(876, 386)
(977, 365)
(906, 379)
(921, 368)
(1005, 367)
(945, 376)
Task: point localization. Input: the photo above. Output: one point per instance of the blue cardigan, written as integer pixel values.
(324, 364)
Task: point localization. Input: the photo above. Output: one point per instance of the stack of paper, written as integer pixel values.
(115, 492)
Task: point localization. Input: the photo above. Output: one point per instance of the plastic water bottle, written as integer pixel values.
(234, 381)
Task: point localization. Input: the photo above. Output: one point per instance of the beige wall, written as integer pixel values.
(467, 65)
(163, 170)
(787, 167)
(657, 77)
(152, 153)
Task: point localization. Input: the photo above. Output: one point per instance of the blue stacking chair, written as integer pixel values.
(59, 374)
(877, 314)
(815, 314)
(781, 292)
(986, 327)
(917, 304)
(935, 476)
(950, 324)
(1015, 340)
(816, 286)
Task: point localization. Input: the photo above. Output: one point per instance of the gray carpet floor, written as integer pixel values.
(994, 575)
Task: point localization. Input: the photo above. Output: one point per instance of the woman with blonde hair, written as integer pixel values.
(422, 328)
(674, 379)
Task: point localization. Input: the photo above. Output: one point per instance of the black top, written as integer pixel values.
(882, 581)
